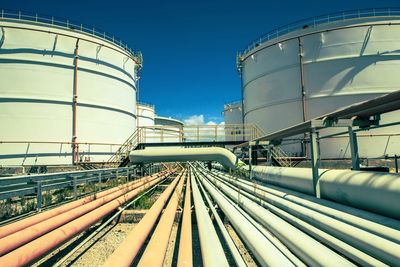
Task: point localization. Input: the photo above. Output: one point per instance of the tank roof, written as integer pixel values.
(168, 119)
(35, 18)
(314, 22)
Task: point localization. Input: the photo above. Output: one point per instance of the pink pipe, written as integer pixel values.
(42, 245)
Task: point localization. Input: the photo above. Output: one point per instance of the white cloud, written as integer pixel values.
(206, 134)
(194, 120)
(199, 120)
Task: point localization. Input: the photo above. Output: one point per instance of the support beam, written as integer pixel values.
(250, 159)
(75, 151)
(355, 158)
(315, 161)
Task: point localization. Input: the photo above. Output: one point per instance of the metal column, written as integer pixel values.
(250, 160)
(355, 158)
(75, 152)
(315, 161)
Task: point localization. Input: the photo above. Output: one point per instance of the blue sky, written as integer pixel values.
(189, 47)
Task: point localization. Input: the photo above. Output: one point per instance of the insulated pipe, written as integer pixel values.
(212, 252)
(185, 255)
(265, 252)
(372, 191)
(301, 244)
(22, 224)
(229, 242)
(382, 249)
(275, 241)
(157, 247)
(21, 237)
(346, 249)
(42, 245)
(325, 207)
(221, 155)
(126, 252)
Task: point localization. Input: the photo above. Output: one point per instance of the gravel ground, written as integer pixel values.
(169, 256)
(103, 248)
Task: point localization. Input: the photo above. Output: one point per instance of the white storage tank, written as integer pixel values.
(67, 91)
(312, 67)
(145, 114)
(170, 130)
(233, 118)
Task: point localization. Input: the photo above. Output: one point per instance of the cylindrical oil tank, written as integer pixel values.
(312, 67)
(67, 92)
(168, 130)
(145, 121)
(233, 118)
(145, 114)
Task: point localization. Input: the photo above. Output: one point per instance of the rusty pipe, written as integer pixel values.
(185, 255)
(156, 249)
(22, 224)
(128, 249)
(21, 237)
(42, 245)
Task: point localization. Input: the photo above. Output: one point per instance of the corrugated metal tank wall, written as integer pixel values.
(36, 94)
(342, 63)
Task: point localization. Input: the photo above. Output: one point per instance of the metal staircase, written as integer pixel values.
(121, 156)
(278, 156)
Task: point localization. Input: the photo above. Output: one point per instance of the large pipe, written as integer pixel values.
(125, 254)
(376, 224)
(264, 251)
(42, 245)
(221, 155)
(307, 219)
(274, 240)
(228, 239)
(212, 252)
(25, 223)
(156, 249)
(372, 191)
(300, 243)
(21, 237)
(185, 255)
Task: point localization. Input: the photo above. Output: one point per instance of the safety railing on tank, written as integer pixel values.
(70, 25)
(316, 21)
(232, 104)
(145, 104)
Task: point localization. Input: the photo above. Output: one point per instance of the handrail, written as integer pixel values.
(233, 103)
(145, 104)
(69, 25)
(319, 20)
